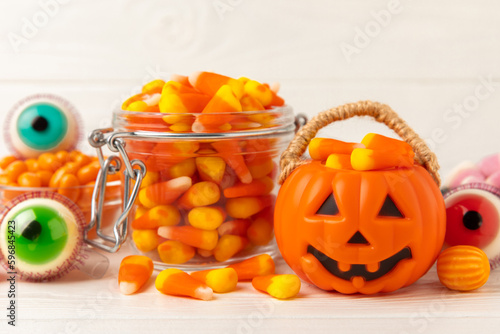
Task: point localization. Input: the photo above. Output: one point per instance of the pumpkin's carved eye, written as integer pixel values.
(389, 209)
(329, 207)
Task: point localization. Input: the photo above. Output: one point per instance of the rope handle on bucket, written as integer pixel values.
(382, 113)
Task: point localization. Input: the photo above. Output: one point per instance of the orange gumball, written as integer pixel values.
(463, 268)
(49, 161)
(88, 173)
(68, 186)
(29, 180)
(45, 177)
(15, 169)
(6, 161)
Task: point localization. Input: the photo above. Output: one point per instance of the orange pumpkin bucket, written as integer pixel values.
(360, 218)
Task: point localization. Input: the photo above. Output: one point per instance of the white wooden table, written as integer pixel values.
(430, 57)
(77, 304)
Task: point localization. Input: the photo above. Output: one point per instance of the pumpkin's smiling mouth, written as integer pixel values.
(360, 270)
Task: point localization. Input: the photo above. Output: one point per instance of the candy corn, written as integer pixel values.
(173, 87)
(244, 207)
(231, 153)
(220, 280)
(249, 103)
(206, 218)
(199, 194)
(175, 282)
(150, 178)
(204, 252)
(175, 252)
(260, 232)
(211, 168)
(375, 141)
(153, 87)
(224, 101)
(182, 79)
(259, 92)
(234, 227)
(182, 126)
(139, 211)
(146, 240)
(200, 127)
(186, 167)
(257, 187)
(135, 271)
(228, 246)
(277, 101)
(190, 236)
(181, 104)
(137, 106)
(220, 108)
(367, 159)
(339, 161)
(209, 83)
(321, 148)
(259, 265)
(164, 192)
(278, 286)
(161, 215)
(259, 166)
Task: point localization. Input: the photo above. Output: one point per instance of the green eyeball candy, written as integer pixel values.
(41, 236)
(42, 123)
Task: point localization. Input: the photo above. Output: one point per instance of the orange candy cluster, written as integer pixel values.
(63, 172)
(375, 152)
(204, 102)
(210, 198)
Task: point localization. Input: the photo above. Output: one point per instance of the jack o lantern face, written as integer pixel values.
(359, 231)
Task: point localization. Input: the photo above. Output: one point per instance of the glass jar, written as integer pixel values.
(207, 199)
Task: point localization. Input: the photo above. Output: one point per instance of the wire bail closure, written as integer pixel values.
(110, 166)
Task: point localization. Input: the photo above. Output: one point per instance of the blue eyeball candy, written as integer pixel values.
(42, 123)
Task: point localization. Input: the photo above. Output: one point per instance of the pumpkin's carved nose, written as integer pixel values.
(358, 238)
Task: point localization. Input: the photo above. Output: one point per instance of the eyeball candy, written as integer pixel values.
(41, 238)
(41, 123)
(473, 218)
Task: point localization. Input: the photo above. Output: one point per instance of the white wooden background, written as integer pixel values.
(427, 59)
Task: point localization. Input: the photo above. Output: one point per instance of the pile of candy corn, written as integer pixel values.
(207, 197)
(136, 270)
(375, 152)
(204, 102)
